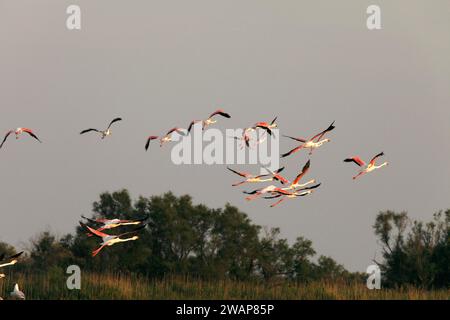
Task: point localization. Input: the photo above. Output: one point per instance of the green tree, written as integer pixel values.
(414, 252)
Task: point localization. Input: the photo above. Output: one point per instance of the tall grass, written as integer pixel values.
(95, 286)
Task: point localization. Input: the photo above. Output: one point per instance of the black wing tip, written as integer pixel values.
(280, 170)
(275, 119)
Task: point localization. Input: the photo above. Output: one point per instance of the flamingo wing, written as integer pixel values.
(89, 130)
(273, 121)
(242, 174)
(93, 231)
(92, 220)
(309, 188)
(191, 125)
(273, 197)
(372, 162)
(292, 151)
(282, 192)
(320, 135)
(132, 231)
(264, 126)
(141, 219)
(220, 112)
(304, 171)
(11, 258)
(31, 133)
(6, 137)
(113, 121)
(356, 160)
(252, 192)
(296, 139)
(176, 129)
(280, 178)
(149, 139)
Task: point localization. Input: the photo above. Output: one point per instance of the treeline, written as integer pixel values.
(186, 239)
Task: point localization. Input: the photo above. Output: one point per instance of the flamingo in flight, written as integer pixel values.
(296, 182)
(259, 192)
(104, 133)
(246, 138)
(211, 119)
(166, 138)
(291, 195)
(110, 240)
(268, 127)
(312, 143)
(18, 132)
(249, 178)
(366, 168)
(106, 224)
(10, 261)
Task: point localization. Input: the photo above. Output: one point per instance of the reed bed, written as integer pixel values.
(94, 286)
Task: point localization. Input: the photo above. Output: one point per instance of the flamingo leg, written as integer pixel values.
(278, 202)
(239, 183)
(95, 252)
(359, 175)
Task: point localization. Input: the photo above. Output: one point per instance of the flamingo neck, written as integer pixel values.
(381, 165)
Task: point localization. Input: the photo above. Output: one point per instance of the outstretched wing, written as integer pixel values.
(220, 112)
(296, 139)
(292, 151)
(191, 125)
(309, 188)
(93, 231)
(115, 120)
(13, 257)
(356, 160)
(149, 139)
(91, 220)
(273, 121)
(132, 231)
(242, 174)
(6, 137)
(320, 135)
(177, 130)
(141, 219)
(89, 130)
(372, 162)
(273, 197)
(30, 132)
(264, 126)
(304, 171)
(252, 192)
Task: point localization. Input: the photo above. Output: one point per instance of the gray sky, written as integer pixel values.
(159, 64)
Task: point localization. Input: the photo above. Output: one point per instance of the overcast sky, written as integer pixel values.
(163, 63)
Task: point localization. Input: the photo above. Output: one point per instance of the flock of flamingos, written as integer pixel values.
(285, 189)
